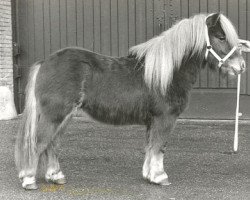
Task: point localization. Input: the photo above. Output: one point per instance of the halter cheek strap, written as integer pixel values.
(210, 49)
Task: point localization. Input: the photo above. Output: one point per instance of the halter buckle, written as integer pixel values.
(220, 63)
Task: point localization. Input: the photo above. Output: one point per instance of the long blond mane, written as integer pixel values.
(164, 54)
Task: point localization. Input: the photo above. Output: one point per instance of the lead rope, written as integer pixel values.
(237, 115)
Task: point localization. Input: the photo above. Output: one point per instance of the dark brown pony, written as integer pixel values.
(149, 87)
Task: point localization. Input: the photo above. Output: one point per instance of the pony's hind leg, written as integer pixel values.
(54, 173)
(45, 134)
(27, 153)
(49, 106)
(46, 146)
(28, 169)
(27, 175)
(153, 168)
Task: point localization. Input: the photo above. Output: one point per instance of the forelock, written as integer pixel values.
(229, 30)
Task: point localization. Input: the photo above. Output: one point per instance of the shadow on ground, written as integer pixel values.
(104, 162)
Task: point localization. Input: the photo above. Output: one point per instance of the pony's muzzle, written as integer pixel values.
(236, 66)
(243, 66)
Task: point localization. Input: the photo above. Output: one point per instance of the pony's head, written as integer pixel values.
(188, 38)
(223, 48)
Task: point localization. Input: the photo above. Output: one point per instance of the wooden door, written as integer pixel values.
(111, 27)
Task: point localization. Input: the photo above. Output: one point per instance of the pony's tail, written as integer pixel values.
(25, 149)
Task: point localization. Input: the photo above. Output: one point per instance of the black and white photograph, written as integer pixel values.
(125, 99)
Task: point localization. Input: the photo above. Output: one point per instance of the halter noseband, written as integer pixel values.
(210, 49)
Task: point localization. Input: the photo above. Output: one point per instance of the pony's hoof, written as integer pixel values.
(29, 183)
(57, 178)
(32, 186)
(164, 182)
(60, 181)
(161, 180)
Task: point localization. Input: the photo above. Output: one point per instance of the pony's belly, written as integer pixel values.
(117, 116)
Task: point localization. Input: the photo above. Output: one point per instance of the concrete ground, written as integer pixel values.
(104, 162)
(216, 104)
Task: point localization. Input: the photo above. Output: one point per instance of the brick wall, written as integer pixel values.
(6, 63)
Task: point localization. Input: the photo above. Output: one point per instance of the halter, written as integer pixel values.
(210, 49)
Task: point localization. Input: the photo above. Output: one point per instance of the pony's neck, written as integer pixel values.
(183, 80)
(186, 76)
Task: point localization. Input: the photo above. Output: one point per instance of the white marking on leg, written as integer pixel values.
(21, 174)
(26, 173)
(54, 176)
(28, 181)
(156, 169)
(51, 171)
(156, 163)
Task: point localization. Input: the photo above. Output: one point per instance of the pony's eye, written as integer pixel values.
(222, 38)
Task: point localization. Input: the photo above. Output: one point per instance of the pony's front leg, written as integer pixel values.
(153, 169)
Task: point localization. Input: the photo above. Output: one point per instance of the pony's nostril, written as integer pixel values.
(243, 66)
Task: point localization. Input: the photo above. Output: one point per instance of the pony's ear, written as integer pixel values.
(244, 45)
(212, 19)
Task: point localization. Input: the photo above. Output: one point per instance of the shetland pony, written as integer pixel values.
(149, 87)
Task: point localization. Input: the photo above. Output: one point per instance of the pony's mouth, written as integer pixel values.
(235, 72)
